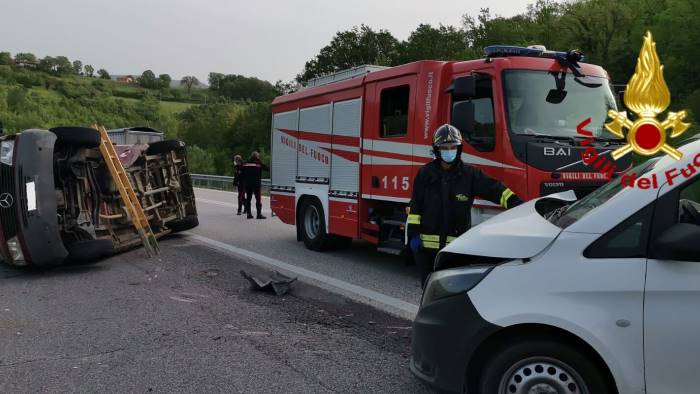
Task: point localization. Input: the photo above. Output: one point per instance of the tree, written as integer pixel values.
(5, 58)
(283, 88)
(47, 64)
(89, 70)
(164, 81)
(148, 80)
(25, 57)
(215, 80)
(103, 74)
(77, 66)
(189, 81)
(441, 43)
(238, 87)
(351, 48)
(63, 65)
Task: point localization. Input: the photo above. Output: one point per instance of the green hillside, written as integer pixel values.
(215, 124)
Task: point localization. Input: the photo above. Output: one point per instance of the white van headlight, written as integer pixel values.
(15, 249)
(7, 148)
(452, 282)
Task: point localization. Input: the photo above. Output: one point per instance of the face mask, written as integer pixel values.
(448, 156)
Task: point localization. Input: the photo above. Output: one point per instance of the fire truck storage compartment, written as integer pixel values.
(284, 146)
(313, 158)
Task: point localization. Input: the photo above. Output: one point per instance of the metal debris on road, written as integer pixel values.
(276, 282)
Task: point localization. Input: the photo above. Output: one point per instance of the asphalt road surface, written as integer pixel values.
(187, 322)
(359, 265)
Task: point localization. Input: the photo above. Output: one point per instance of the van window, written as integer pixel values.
(394, 111)
(627, 240)
(689, 204)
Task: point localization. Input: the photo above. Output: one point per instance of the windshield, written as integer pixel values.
(541, 102)
(571, 213)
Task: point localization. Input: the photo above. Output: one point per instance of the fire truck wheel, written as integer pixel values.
(164, 147)
(77, 136)
(313, 225)
(87, 251)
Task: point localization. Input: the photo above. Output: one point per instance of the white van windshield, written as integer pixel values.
(569, 214)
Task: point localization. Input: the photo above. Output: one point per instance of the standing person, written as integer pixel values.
(252, 176)
(238, 181)
(443, 193)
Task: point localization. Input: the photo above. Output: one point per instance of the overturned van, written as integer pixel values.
(58, 202)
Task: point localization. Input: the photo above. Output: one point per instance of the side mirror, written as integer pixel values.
(464, 88)
(556, 96)
(680, 242)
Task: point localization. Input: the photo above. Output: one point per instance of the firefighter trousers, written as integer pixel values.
(249, 192)
(241, 198)
(425, 260)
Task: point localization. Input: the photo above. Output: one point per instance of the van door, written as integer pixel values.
(387, 150)
(672, 301)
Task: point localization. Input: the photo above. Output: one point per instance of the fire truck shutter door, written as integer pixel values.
(345, 168)
(284, 149)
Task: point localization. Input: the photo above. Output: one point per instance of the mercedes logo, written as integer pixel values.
(6, 200)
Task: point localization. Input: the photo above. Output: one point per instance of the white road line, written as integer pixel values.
(223, 192)
(381, 301)
(229, 205)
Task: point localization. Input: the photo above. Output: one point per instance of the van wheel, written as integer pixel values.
(86, 251)
(541, 366)
(77, 136)
(313, 225)
(188, 222)
(166, 146)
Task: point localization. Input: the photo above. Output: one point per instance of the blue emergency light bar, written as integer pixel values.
(532, 51)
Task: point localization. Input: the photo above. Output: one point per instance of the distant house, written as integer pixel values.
(26, 63)
(123, 78)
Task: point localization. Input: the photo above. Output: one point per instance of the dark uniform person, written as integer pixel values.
(252, 176)
(238, 181)
(443, 194)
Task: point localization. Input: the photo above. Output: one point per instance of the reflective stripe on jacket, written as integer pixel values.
(442, 199)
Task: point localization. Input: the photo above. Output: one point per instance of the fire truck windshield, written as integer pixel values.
(545, 103)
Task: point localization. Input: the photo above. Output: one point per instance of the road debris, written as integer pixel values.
(276, 282)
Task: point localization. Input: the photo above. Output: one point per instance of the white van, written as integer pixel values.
(596, 296)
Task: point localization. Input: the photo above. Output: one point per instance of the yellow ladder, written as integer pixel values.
(126, 191)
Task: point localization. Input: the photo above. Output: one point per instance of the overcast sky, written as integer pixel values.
(263, 38)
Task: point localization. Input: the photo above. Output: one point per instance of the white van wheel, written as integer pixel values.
(541, 366)
(542, 375)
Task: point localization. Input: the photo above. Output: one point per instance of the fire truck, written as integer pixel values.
(347, 146)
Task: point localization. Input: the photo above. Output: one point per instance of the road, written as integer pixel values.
(359, 265)
(187, 321)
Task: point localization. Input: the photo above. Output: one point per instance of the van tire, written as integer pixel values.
(516, 358)
(312, 223)
(77, 136)
(186, 223)
(87, 251)
(164, 147)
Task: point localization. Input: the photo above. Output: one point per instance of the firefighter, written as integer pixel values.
(238, 181)
(443, 193)
(252, 177)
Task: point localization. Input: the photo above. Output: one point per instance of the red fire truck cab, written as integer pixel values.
(346, 148)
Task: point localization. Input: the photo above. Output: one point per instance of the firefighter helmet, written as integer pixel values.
(447, 136)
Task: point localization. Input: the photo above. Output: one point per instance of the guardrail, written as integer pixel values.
(219, 182)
